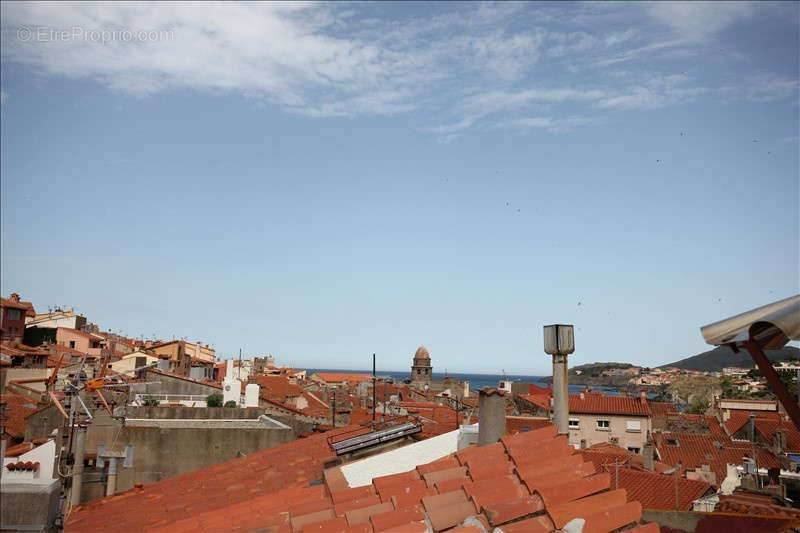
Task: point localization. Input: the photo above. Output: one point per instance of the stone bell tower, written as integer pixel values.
(421, 369)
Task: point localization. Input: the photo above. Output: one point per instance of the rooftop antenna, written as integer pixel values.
(374, 389)
(240, 364)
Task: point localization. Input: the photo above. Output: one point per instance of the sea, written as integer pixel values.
(476, 381)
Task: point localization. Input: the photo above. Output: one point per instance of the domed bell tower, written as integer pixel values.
(421, 369)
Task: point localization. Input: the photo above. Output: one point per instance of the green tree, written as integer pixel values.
(214, 400)
(698, 408)
(231, 403)
(149, 401)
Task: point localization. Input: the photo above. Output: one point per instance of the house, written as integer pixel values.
(75, 339)
(12, 318)
(24, 356)
(134, 360)
(624, 421)
(57, 319)
(197, 351)
(340, 379)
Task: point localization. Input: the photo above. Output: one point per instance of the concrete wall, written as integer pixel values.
(7, 374)
(589, 431)
(160, 453)
(174, 385)
(29, 507)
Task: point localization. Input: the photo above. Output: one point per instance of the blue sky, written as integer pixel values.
(324, 181)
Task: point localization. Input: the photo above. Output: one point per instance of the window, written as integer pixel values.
(13, 314)
(633, 425)
(72, 344)
(525, 429)
(574, 423)
(633, 449)
(604, 425)
(672, 442)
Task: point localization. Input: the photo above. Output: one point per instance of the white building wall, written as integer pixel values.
(44, 454)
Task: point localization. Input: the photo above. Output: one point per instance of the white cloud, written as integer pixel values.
(481, 65)
(699, 21)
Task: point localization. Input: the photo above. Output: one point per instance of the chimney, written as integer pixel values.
(643, 396)
(583, 396)
(559, 341)
(779, 441)
(491, 416)
(647, 456)
(14, 297)
(659, 439)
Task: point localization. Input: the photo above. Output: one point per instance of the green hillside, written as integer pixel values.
(722, 356)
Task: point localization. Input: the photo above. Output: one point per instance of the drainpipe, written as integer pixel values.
(111, 484)
(77, 469)
(491, 416)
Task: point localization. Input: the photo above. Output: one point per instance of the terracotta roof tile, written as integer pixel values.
(443, 500)
(405, 499)
(657, 491)
(319, 516)
(353, 494)
(17, 409)
(538, 524)
(441, 464)
(398, 517)
(613, 518)
(344, 507)
(411, 527)
(534, 480)
(596, 403)
(402, 488)
(506, 510)
(451, 515)
(362, 515)
(495, 489)
(442, 475)
(563, 513)
(572, 490)
(381, 482)
(450, 485)
(334, 525)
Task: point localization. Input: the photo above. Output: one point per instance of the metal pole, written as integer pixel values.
(240, 364)
(111, 485)
(374, 389)
(775, 383)
(77, 468)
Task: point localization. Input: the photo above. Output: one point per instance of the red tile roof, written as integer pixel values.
(269, 479)
(17, 409)
(657, 491)
(337, 377)
(236, 496)
(5, 302)
(521, 424)
(715, 449)
(767, 424)
(753, 503)
(596, 403)
(662, 408)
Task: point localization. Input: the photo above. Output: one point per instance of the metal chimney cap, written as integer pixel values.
(559, 339)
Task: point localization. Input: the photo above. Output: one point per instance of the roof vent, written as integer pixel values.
(672, 442)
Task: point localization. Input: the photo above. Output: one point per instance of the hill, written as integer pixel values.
(722, 356)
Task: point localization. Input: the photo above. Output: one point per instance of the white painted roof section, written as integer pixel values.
(403, 459)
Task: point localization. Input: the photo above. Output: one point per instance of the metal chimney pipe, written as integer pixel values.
(491, 416)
